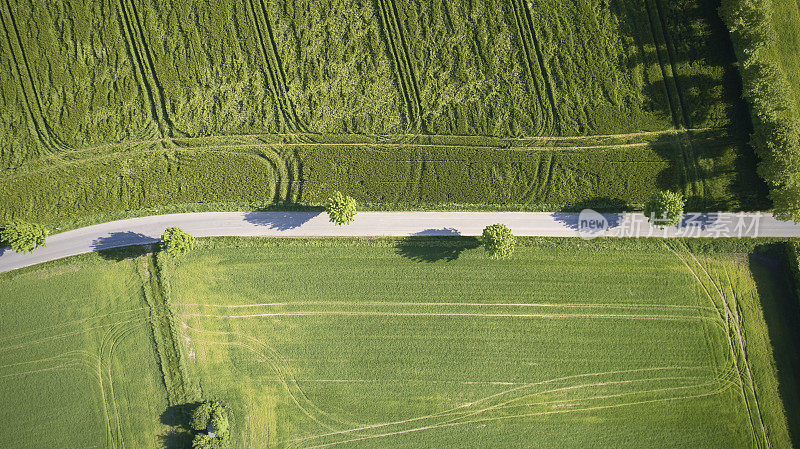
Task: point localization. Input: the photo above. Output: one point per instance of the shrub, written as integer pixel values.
(211, 413)
(176, 242)
(341, 209)
(23, 237)
(664, 208)
(498, 241)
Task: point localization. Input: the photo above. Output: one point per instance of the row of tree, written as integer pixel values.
(776, 129)
(663, 209)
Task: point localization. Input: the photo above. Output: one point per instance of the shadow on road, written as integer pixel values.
(281, 221)
(572, 219)
(123, 245)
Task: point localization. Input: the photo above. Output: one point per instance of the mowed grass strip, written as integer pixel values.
(392, 343)
(78, 366)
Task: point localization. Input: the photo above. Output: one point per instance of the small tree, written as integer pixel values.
(341, 209)
(176, 242)
(210, 417)
(664, 208)
(23, 237)
(498, 240)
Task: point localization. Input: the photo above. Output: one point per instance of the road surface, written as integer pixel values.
(376, 224)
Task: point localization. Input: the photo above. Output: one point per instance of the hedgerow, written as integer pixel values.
(776, 120)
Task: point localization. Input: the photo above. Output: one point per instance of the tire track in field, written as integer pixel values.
(724, 315)
(395, 303)
(274, 70)
(393, 33)
(456, 314)
(544, 126)
(551, 96)
(143, 60)
(503, 142)
(460, 409)
(27, 83)
(453, 423)
(269, 355)
(666, 69)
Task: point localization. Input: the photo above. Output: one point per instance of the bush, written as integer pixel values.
(498, 241)
(23, 237)
(176, 242)
(204, 441)
(341, 209)
(201, 416)
(665, 208)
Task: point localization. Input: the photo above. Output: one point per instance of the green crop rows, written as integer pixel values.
(103, 98)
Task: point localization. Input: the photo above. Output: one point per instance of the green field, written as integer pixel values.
(405, 343)
(78, 366)
(109, 106)
(424, 343)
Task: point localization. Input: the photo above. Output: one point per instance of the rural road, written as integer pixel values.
(375, 224)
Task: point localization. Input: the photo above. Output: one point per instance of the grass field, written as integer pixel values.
(78, 366)
(104, 101)
(390, 343)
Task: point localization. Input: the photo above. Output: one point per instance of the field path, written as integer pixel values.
(146, 230)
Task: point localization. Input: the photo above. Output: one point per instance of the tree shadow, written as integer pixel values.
(777, 292)
(425, 246)
(178, 417)
(572, 219)
(119, 246)
(280, 220)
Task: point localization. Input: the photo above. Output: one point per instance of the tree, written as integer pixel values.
(201, 416)
(341, 209)
(210, 413)
(176, 242)
(205, 441)
(23, 237)
(498, 240)
(664, 208)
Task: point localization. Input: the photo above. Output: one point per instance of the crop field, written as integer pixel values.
(114, 106)
(78, 366)
(418, 343)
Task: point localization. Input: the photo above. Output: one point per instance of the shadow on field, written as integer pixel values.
(123, 245)
(781, 307)
(178, 417)
(280, 220)
(420, 248)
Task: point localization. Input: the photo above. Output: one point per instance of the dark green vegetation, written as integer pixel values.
(176, 242)
(324, 342)
(23, 237)
(665, 208)
(119, 106)
(341, 209)
(498, 241)
(768, 61)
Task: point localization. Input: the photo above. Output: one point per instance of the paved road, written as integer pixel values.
(374, 224)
